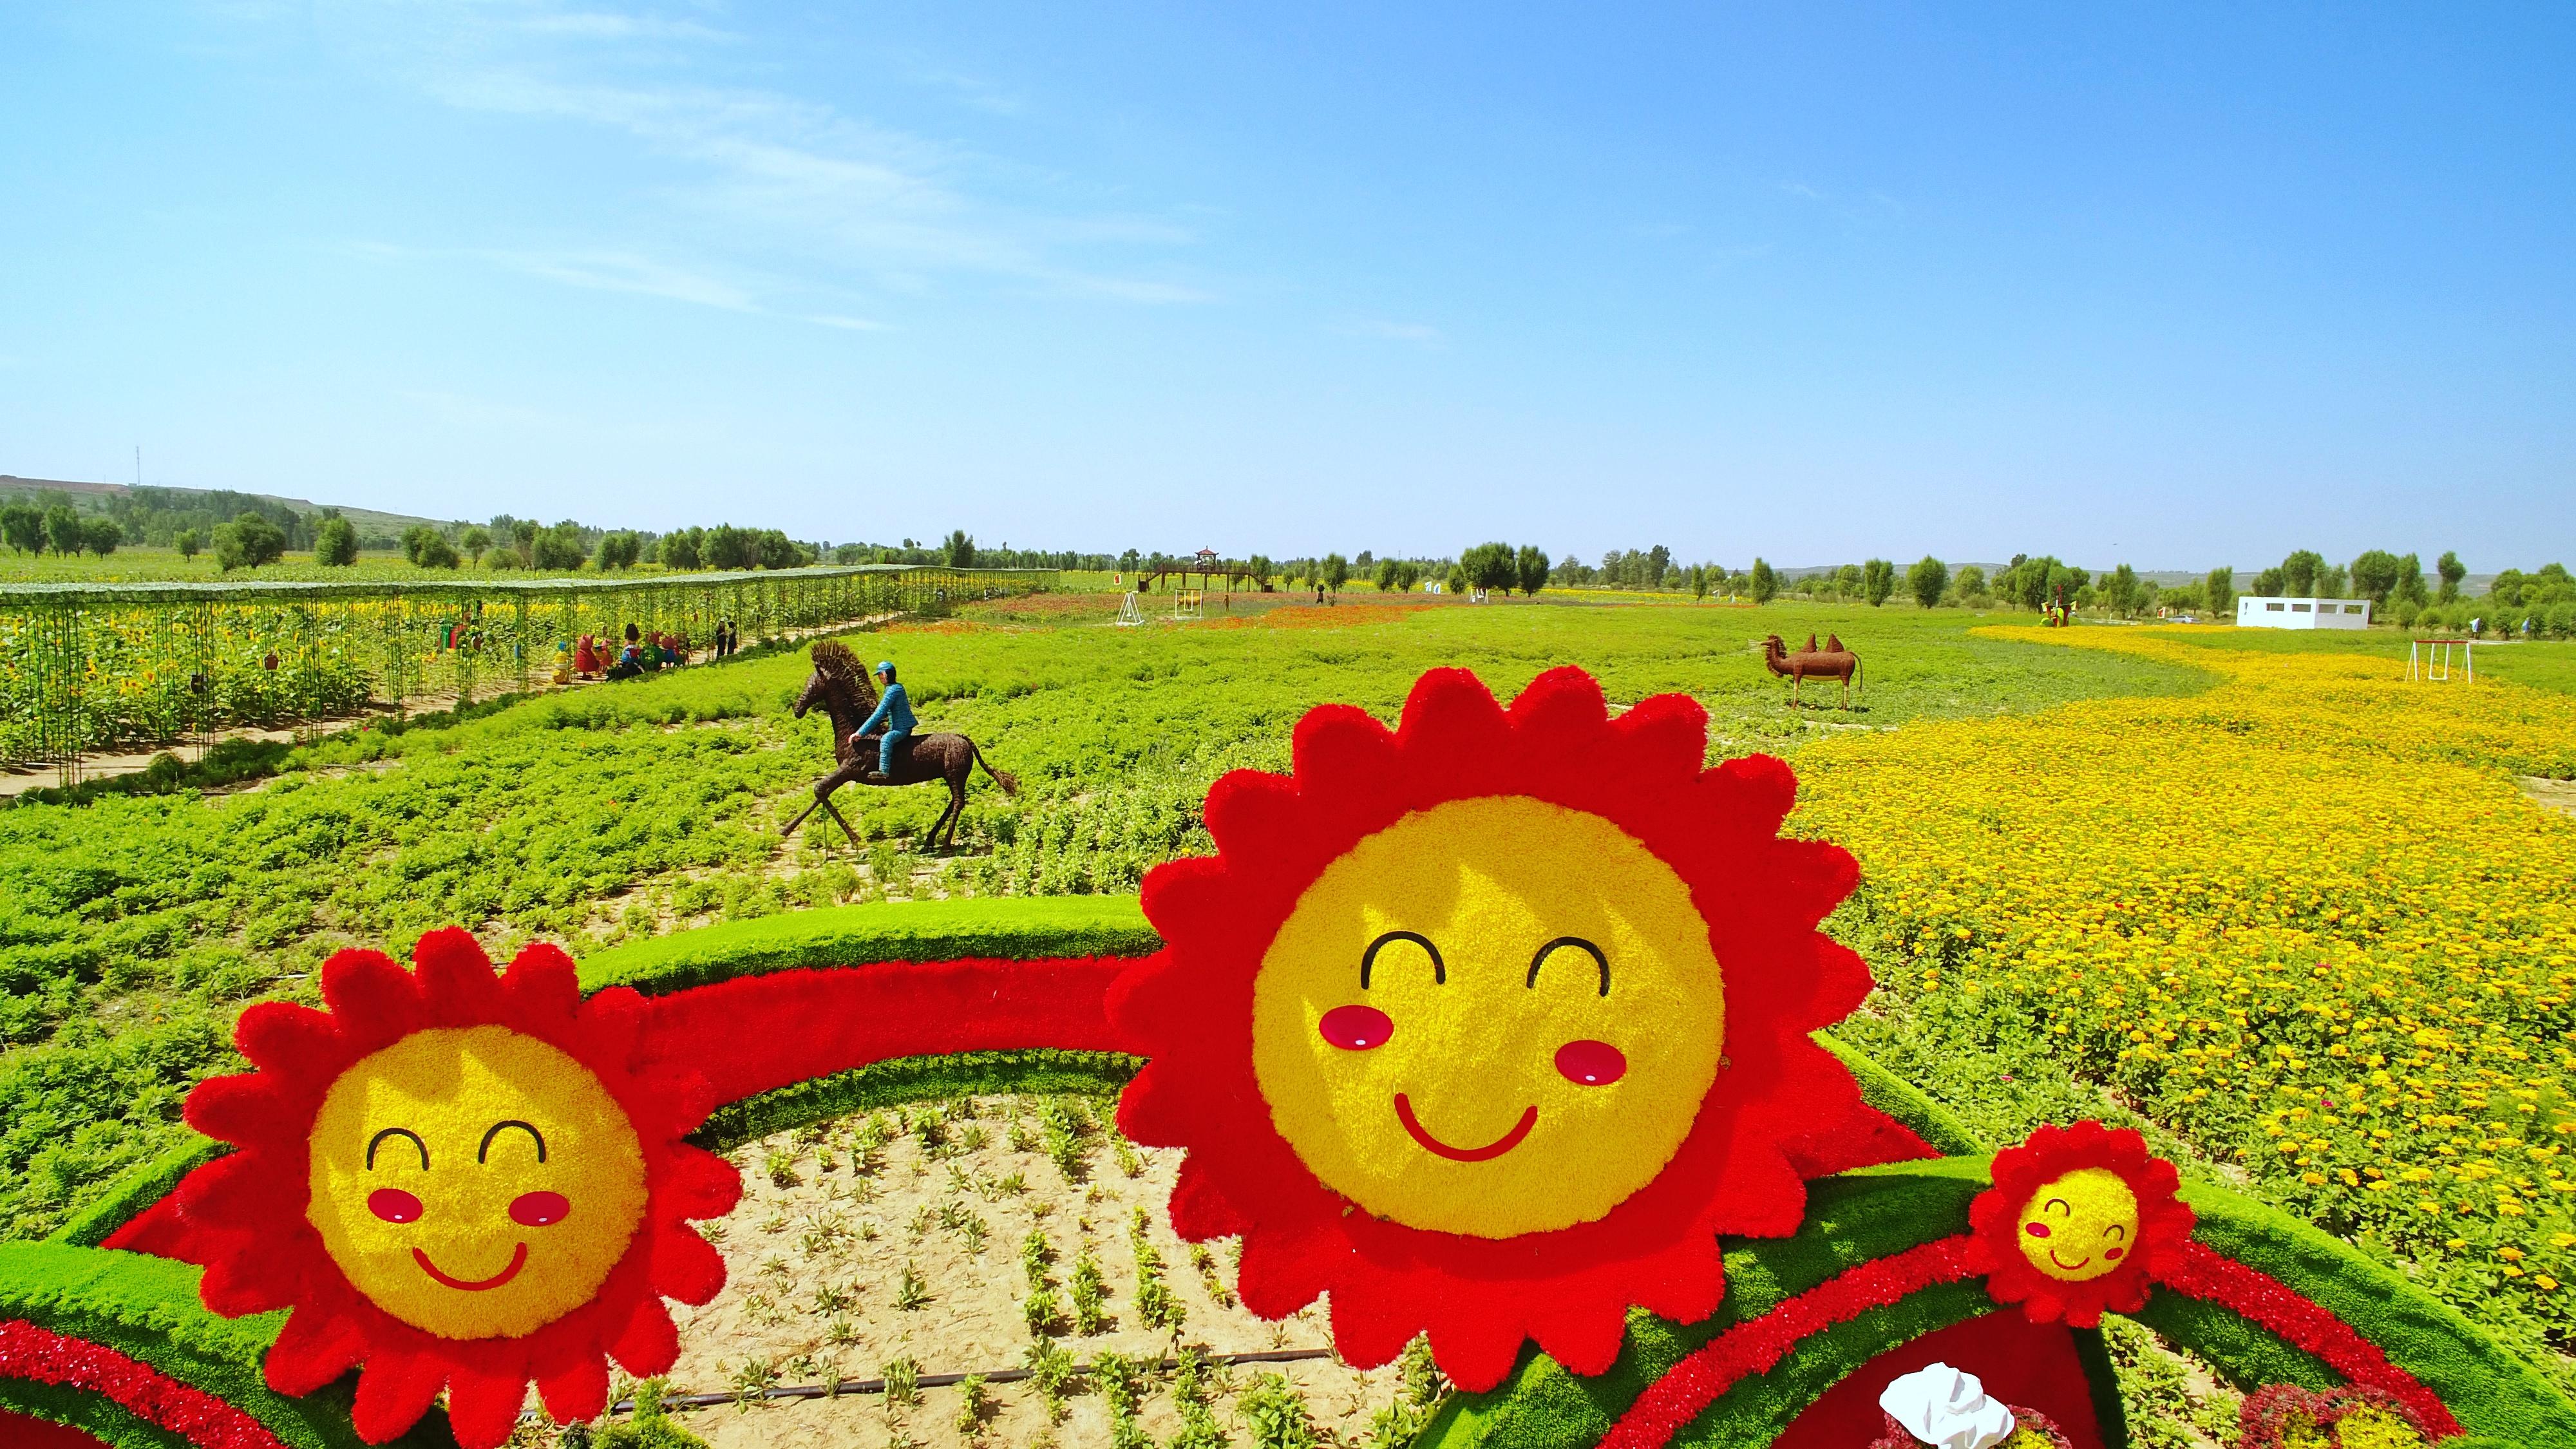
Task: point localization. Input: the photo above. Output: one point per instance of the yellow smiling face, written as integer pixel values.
(1494, 1017)
(2080, 1226)
(474, 1182)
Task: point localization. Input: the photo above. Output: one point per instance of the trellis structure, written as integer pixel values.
(87, 667)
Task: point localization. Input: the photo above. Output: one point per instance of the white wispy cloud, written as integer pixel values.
(824, 199)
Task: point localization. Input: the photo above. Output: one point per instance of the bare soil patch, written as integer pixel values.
(903, 1236)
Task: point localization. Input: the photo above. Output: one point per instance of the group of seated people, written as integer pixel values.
(643, 654)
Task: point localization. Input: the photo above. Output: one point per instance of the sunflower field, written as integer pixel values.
(2304, 924)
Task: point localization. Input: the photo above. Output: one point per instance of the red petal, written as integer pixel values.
(394, 1390)
(686, 1268)
(314, 1348)
(649, 1344)
(235, 1109)
(541, 979)
(576, 1392)
(365, 989)
(1759, 789)
(1563, 706)
(1373, 1323)
(483, 1401)
(1473, 1352)
(703, 1185)
(455, 976)
(279, 1035)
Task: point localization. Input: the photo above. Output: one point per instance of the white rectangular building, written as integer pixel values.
(2266, 611)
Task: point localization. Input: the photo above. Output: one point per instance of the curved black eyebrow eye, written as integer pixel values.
(484, 1153)
(2117, 1228)
(1368, 958)
(379, 1140)
(2058, 1203)
(1563, 941)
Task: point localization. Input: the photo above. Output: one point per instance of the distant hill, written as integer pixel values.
(94, 497)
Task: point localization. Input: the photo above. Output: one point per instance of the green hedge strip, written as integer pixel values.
(1040, 1072)
(1009, 928)
(147, 1308)
(138, 1190)
(1905, 1102)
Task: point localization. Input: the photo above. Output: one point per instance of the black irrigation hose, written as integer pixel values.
(941, 1381)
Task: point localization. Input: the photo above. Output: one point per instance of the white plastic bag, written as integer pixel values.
(1942, 1406)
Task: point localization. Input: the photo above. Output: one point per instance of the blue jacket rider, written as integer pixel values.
(894, 711)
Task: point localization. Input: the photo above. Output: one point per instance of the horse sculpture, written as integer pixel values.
(840, 686)
(1831, 662)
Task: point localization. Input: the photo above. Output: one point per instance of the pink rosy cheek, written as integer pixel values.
(394, 1205)
(1590, 1063)
(2036, 1230)
(1356, 1028)
(538, 1209)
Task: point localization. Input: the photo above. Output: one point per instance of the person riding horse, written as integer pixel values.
(894, 713)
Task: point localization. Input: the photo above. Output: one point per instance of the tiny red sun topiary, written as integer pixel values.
(2080, 1220)
(1490, 1024)
(457, 1181)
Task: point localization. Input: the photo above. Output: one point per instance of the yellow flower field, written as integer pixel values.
(2305, 921)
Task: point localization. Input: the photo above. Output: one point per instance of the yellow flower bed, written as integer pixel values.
(2304, 920)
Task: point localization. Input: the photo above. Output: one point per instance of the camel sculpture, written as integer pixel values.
(840, 686)
(1831, 662)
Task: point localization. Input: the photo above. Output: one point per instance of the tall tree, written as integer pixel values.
(2299, 572)
(1926, 581)
(960, 550)
(1877, 581)
(1530, 566)
(22, 525)
(2453, 572)
(335, 543)
(1766, 582)
(1336, 572)
(101, 536)
(63, 530)
(2374, 576)
(2220, 590)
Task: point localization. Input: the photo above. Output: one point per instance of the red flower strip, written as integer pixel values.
(2307, 1324)
(1755, 1345)
(43, 1356)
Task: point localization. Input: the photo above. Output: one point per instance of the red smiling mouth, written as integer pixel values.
(2069, 1267)
(518, 1260)
(1486, 1153)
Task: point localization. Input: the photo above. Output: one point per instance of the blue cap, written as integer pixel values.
(885, 666)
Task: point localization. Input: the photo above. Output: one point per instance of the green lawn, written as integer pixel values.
(2542, 664)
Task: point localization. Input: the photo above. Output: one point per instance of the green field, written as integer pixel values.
(134, 927)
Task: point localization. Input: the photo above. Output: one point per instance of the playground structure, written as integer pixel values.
(2431, 659)
(1831, 662)
(1129, 616)
(1212, 575)
(1188, 603)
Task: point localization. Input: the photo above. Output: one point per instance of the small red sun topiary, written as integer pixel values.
(2080, 1220)
(456, 1181)
(1490, 1024)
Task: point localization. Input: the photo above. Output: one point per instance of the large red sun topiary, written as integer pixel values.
(1490, 1024)
(456, 1181)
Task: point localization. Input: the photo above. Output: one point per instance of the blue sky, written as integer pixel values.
(2173, 285)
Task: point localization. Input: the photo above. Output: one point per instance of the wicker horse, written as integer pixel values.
(1833, 662)
(840, 686)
